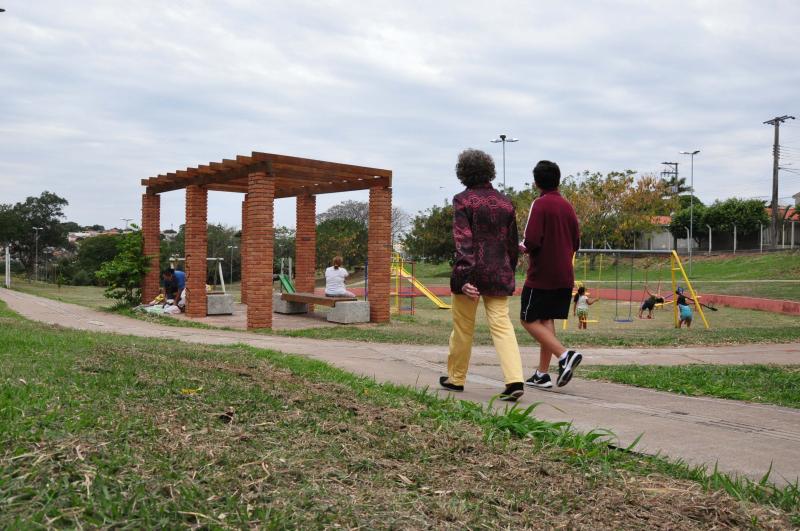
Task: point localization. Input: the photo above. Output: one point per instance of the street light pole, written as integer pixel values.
(36, 253)
(126, 220)
(502, 139)
(691, 205)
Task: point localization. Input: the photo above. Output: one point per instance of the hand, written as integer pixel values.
(471, 291)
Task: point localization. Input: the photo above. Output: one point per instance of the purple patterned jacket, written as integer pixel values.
(485, 234)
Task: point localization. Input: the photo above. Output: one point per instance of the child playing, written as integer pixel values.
(684, 310)
(649, 304)
(551, 238)
(581, 308)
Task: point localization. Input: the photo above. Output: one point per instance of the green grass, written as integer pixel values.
(432, 326)
(769, 384)
(714, 274)
(99, 430)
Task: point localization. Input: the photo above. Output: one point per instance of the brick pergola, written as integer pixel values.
(264, 177)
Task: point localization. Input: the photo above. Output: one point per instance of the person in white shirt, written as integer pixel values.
(581, 308)
(334, 280)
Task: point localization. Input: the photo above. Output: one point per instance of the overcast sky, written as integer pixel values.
(97, 95)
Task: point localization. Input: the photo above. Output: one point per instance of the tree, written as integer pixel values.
(124, 273)
(747, 214)
(17, 224)
(284, 245)
(344, 237)
(675, 186)
(359, 211)
(94, 252)
(617, 207)
(431, 235)
(682, 218)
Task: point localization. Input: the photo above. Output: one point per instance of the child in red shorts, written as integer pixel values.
(551, 238)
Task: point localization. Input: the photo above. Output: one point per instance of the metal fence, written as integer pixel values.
(733, 240)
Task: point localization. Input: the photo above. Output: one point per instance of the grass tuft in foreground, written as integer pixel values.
(103, 430)
(769, 384)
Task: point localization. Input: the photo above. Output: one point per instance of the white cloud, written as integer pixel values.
(98, 95)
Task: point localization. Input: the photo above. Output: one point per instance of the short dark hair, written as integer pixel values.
(475, 167)
(547, 175)
(168, 272)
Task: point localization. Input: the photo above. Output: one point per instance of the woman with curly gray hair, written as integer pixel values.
(485, 235)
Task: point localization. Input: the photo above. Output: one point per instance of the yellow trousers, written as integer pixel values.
(503, 337)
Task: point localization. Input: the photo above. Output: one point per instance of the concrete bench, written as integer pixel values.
(218, 303)
(344, 310)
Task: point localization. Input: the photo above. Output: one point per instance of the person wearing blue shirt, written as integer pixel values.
(174, 282)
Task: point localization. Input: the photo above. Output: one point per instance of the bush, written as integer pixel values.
(124, 274)
(81, 278)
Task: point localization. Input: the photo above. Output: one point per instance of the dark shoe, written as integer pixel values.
(512, 392)
(449, 386)
(567, 366)
(542, 382)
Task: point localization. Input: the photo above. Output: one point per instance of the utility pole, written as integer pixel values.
(671, 170)
(776, 154)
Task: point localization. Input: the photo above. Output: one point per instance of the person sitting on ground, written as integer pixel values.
(649, 304)
(684, 310)
(334, 280)
(174, 283)
(581, 308)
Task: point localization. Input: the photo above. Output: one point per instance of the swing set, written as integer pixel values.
(677, 273)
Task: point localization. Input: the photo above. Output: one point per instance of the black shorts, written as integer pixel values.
(648, 305)
(544, 304)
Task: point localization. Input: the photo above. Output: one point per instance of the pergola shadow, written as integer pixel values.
(262, 178)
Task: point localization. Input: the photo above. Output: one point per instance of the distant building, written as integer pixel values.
(796, 198)
(169, 234)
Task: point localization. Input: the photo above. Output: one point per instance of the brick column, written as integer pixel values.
(305, 247)
(260, 247)
(379, 253)
(196, 250)
(151, 236)
(243, 252)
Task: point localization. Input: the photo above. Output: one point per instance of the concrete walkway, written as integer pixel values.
(743, 438)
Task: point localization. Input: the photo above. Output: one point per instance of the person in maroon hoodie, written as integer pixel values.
(486, 242)
(551, 238)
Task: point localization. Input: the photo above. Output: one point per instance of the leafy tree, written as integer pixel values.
(746, 214)
(17, 224)
(70, 226)
(359, 211)
(431, 235)
(284, 245)
(681, 220)
(675, 186)
(94, 252)
(616, 207)
(98, 228)
(123, 274)
(344, 237)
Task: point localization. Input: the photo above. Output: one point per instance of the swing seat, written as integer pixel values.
(623, 320)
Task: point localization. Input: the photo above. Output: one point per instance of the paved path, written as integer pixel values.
(742, 437)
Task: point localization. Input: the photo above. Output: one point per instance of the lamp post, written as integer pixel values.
(502, 139)
(126, 220)
(231, 247)
(36, 253)
(691, 205)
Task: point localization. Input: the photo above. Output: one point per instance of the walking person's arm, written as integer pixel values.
(465, 250)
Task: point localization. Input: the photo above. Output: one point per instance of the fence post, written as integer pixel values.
(792, 241)
(783, 233)
(8, 266)
(734, 238)
(760, 238)
(709, 239)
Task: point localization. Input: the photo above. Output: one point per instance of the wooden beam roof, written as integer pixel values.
(293, 176)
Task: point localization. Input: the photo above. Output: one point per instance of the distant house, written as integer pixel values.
(660, 238)
(169, 234)
(796, 198)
